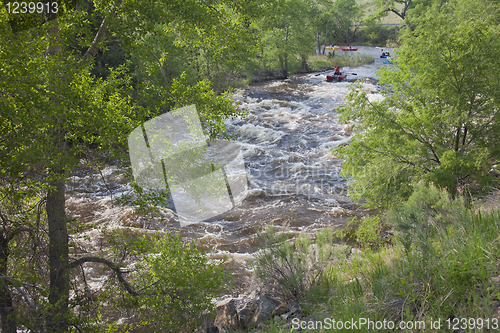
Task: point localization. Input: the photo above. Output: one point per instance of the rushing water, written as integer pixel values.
(286, 137)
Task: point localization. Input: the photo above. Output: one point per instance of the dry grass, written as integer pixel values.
(491, 201)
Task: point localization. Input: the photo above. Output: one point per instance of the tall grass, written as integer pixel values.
(443, 264)
(324, 62)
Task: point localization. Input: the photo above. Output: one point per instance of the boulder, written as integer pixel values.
(294, 306)
(246, 312)
(264, 311)
(287, 316)
(227, 317)
(281, 309)
(249, 315)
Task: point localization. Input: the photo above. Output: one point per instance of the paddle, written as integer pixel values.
(345, 73)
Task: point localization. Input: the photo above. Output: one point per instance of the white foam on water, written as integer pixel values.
(262, 134)
(297, 133)
(334, 144)
(375, 97)
(340, 212)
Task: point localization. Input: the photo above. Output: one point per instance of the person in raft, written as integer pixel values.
(337, 71)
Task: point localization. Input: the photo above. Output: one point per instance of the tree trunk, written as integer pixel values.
(58, 257)
(285, 69)
(56, 220)
(326, 37)
(6, 307)
(207, 59)
(319, 42)
(457, 138)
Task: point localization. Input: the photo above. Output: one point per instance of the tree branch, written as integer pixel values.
(406, 131)
(480, 130)
(20, 289)
(162, 70)
(111, 265)
(98, 39)
(401, 16)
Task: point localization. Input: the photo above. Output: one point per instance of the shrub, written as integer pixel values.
(367, 231)
(449, 252)
(443, 264)
(292, 269)
(427, 212)
(177, 283)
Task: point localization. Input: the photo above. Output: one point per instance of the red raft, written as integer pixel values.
(331, 78)
(349, 49)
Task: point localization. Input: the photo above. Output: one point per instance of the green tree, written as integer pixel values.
(171, 277)
(22, 243)
(53, 109)
(320, 20)
(406, 10)
(333, 20)
(287, 35)
(344, 13)
(439, 120)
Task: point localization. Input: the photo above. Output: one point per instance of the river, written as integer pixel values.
(286, 138)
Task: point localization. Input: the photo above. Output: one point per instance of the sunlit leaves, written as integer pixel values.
(439, 120)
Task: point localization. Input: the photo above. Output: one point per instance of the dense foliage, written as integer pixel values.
(439, 118)
(74, 84)
(178, 284)
(441, 266)
(60, 103)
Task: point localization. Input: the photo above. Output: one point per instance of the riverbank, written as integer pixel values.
(404, 279)
(320, 63)
(285, 137)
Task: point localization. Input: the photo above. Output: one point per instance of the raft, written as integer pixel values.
(338, 78)
(349, 49)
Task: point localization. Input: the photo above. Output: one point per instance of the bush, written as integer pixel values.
(322, 62)
(177, 284)
(450, 252)
(367, 231)
(443, 264)
(427, 212)
(292, 269)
